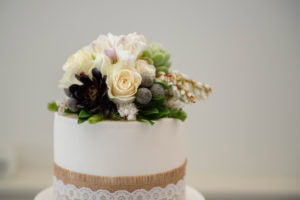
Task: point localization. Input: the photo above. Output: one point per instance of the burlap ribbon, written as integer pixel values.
(115, 183)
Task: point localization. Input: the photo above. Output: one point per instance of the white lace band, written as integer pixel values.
(71, 192)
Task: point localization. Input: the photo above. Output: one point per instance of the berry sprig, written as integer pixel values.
(184, 88)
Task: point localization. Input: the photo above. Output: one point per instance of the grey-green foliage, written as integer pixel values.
(158, 56)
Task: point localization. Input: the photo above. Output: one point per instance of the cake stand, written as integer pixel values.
(191, 194)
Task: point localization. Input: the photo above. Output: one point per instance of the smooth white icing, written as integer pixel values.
(113, 148)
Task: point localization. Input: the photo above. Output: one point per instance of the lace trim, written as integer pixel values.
(71, 192)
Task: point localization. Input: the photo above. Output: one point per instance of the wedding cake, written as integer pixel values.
(119, 132)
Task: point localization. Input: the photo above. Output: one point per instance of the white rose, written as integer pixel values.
(81, 61)
(145, 69)
(122, 82)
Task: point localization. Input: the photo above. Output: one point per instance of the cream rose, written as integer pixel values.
(122, 82)
(145, 69)
(81, 61)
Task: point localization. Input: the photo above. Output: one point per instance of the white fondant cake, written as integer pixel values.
(116, 148)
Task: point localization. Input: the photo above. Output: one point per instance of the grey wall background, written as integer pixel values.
(244, 138)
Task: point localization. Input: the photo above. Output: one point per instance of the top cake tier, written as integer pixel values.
(116, 148)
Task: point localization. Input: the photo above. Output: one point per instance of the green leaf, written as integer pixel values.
(68, 111)
(95, 118)
(162, 69)
(157, 101)
(145, 120)
(163, 83)
(80, 121)
(177, 114)
(150, 111)
(164, 112)
(83, 114)
(115, 115)
(52, 106)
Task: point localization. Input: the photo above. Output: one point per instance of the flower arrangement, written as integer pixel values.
(124, 78)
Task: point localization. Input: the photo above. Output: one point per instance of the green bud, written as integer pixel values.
(148, 60)
(167, 56)
(146, 54)
(168, 64)
(158, 59)
(52, 106)
(95, 118)
(156, 55)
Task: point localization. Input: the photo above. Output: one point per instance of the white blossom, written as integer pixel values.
(62, 105)
(145, 69)
(128, 111)
(174, 103)
(120, 48)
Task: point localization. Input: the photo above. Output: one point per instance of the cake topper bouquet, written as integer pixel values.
(125, 78)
